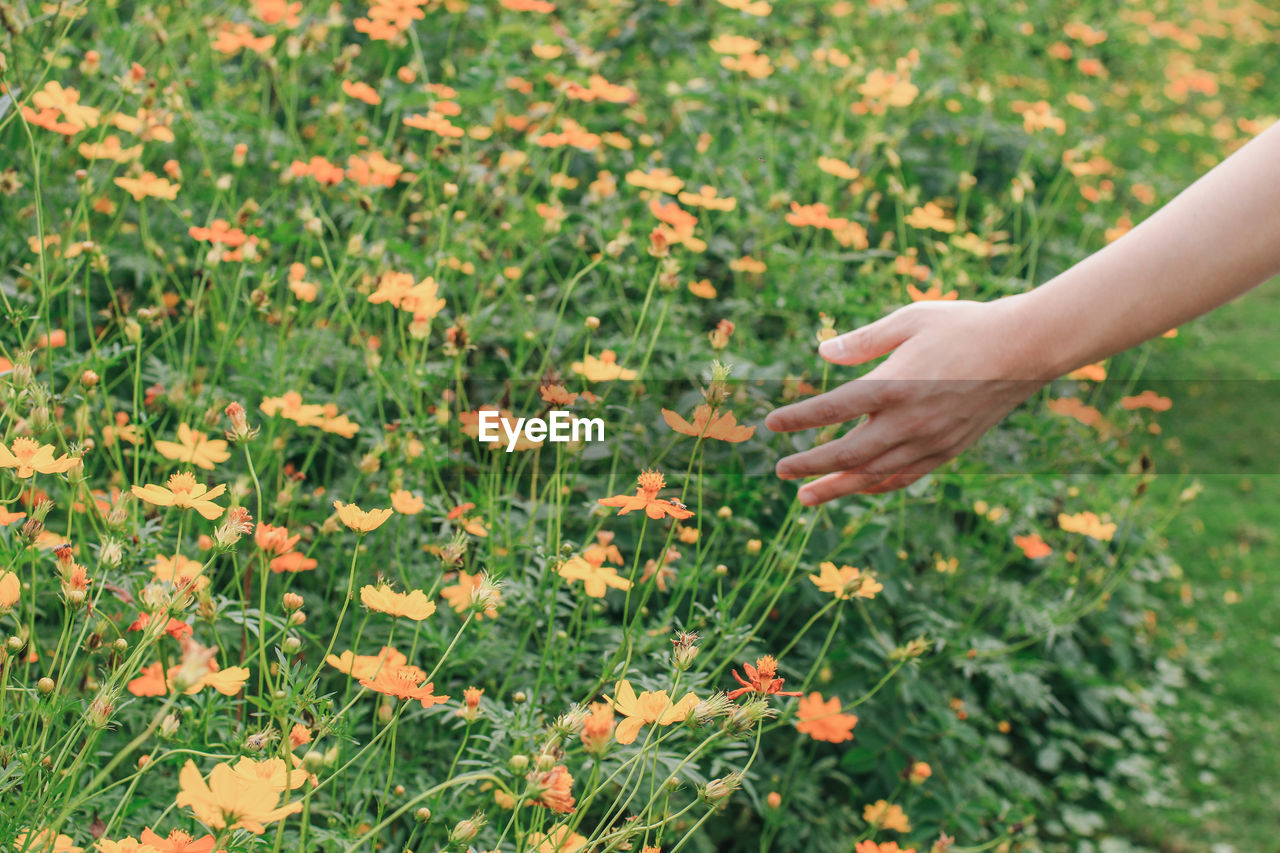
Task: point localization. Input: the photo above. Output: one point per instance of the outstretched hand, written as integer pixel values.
(955, 369)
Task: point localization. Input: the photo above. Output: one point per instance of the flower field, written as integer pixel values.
(288, 286)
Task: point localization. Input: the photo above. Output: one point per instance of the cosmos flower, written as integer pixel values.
(882, 815)
(761, 679)
(823, 720)
(654, 708)
(177, 841)
(404, 682)
(148, 185)
(30, 457)
(707, 423)
(194, 447)
(409, 605)
(602, 369)
(359, 520)
(182, 491)
(1033, 547)
(366, 666)
(845, 582)
(596, 578)
(231, 800)
(648, 484)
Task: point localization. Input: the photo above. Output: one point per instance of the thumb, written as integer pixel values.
(870, 341)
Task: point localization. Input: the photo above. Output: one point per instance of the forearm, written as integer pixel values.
(1218, 239)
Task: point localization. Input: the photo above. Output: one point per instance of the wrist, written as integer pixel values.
(1041, 343)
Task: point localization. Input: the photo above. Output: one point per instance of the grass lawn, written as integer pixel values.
(1227, 545)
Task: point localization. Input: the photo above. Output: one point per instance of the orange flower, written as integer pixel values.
(540, 6)
(219, 231)
(434, 122)
(10, 589)
(648, 484)
(406, 503)
(148, 185)
(404, 682)
(761, 679)
(366, 666)
(933, 294)
(194, 447)
(1089, 524)
(372, 170)
(31, 457)
(318, 168)
(411, 605)
(595, 578)
(553, 788)
(869, 846)
(231, 39)
(183, 492)
(560, 839)
(648, 708)
(882, 815)
(179, 571)
(823, 720)
(463, 594)
(1147, 400)
(602, 369)
(845, 582)
(598, 727)
(177, 842)
(54, 101)
(359, 520)
(1072, 407)
(708, 424)
(361, 92)
(1032, 546)
(232, 800)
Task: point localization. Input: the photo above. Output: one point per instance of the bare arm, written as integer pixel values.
(957, 368)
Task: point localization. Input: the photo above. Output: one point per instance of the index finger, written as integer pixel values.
(855, 397)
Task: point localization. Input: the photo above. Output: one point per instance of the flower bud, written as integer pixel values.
(292, 601)
(422, 815)
(291, 646)
(465, 831)
(716, 792)
(45, 686)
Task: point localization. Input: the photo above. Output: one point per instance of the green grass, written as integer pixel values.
(1227, 546)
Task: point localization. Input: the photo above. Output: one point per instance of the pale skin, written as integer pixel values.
(955, 369)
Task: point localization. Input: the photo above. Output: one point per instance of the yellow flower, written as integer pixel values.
(362, 667)
(602, 369)
(183, 492)
(406, 503)
(561, 839)
(227, 681)
(648, 707)
(10, 589)
(1089, 524)
(882, 815)
(845, 582)
(838, 168)
(179, 571)
(411, 605)
(359, 520)
(31, 457)
(194, 447)
(44, 841)
(148, 185)
(231, 799)
(596, 578)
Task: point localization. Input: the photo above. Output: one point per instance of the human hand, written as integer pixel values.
(956, 369)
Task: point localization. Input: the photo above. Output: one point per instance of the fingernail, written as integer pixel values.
(832, 347)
